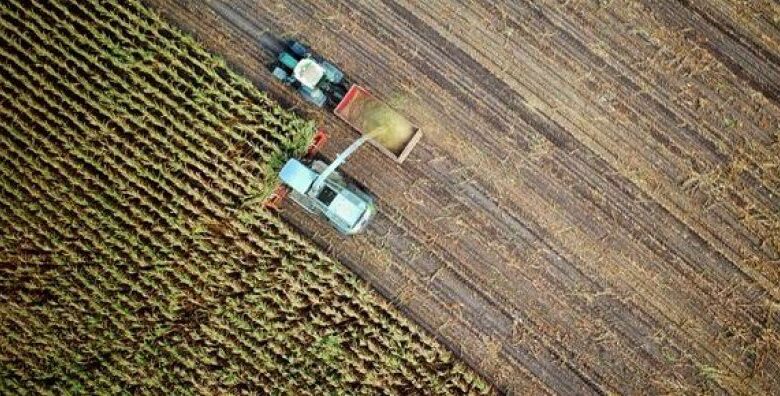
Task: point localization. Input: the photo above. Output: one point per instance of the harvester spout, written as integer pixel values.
(320, 181)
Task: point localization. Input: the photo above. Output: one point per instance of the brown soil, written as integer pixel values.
(595, 205)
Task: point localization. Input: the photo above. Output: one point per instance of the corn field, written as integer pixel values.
(134, 253)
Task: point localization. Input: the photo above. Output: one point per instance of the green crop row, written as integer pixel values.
(134, 256)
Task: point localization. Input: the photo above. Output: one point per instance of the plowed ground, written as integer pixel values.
(594, 207)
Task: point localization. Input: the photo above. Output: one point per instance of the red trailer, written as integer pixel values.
(358, 103)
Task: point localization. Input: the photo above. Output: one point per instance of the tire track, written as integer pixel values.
(578, 181)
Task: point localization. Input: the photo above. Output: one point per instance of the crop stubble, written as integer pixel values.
(133, 253)
(594, 206)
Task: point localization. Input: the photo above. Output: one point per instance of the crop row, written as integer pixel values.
(129, 257)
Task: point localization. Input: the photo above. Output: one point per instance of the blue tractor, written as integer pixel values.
(317, 80)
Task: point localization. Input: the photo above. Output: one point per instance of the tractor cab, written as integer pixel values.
(317, 80)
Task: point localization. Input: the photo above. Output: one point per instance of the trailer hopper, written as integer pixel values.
(367, 114)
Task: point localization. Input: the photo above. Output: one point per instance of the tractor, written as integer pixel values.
(318, 81)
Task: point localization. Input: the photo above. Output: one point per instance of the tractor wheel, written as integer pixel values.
(280, 74)
(299, 49)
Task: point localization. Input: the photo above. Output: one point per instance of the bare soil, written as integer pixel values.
(594, 206)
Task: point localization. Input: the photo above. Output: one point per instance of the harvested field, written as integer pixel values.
(134, 254)
(595, 205)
